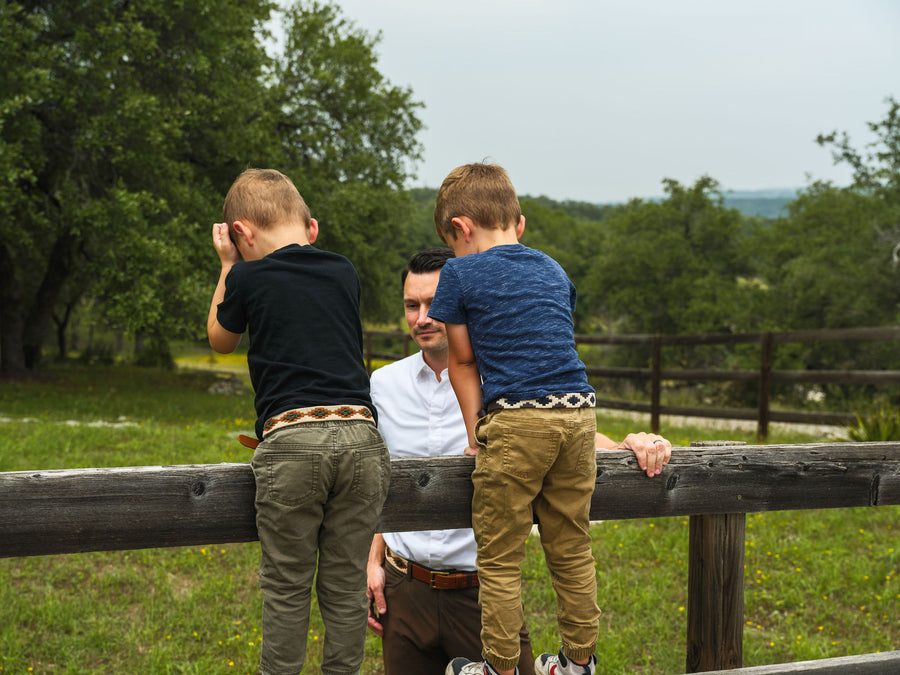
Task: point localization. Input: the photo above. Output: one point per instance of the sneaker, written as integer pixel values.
(558, 664)
(461, 666)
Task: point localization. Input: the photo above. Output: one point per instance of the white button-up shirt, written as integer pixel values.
(418, 416)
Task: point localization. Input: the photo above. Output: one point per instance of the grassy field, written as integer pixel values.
(818, 583)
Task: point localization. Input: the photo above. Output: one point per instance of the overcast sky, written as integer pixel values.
(599, 100)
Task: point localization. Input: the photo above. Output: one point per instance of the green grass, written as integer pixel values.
(818, 583)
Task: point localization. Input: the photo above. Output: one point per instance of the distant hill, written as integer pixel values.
(765, 203)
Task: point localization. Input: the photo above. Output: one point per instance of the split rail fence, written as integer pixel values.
(715, 484)
(765, 375)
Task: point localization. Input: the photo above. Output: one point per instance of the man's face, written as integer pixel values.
(418, 292)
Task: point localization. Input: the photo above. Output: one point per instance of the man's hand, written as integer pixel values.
(651, 451)
(375, 593)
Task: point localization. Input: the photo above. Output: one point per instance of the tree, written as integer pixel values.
(572, 240)
(118, 123)
(828, 262)
(123, 124)
(348, 137)
(672, 266)
(823, 263)
(876, 172)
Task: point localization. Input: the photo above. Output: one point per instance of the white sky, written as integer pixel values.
(599, 100)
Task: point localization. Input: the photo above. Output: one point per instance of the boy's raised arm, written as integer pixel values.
(465, 379)
(221, 340)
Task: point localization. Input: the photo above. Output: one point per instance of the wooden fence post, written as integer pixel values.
(655, 383)
(765, 386)
(715, 605)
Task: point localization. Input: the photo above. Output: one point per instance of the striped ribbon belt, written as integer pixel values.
(319, 413)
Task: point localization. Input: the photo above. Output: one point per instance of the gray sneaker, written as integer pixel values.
(558, 664)
(461, 666)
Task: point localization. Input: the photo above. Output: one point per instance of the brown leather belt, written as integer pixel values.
(444, 581)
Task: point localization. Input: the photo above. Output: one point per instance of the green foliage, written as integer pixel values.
(347, 137)
(877, 168)
(154, 353)
(573, 242)
(672, 266)
(824, 264)
(881, 424)
(101, 354)
(125, 119)
(122, 125)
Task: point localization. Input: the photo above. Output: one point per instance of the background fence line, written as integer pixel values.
(656, 374)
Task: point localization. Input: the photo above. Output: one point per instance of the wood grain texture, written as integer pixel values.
(67, 511)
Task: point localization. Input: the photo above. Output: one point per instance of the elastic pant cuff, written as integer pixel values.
(501, 663)
(578, 653)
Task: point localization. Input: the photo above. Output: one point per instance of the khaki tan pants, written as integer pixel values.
(535, 462)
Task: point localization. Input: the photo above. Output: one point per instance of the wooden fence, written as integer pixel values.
(765, 376)
(716, 485)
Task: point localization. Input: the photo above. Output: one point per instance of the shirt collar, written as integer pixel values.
(424, 371)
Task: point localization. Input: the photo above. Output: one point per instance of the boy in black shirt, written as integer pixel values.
(321, 468)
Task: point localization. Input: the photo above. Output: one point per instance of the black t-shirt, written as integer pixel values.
(301, 307)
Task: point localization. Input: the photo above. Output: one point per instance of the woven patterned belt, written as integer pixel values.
(319, 413)
(575, 400)
(443, 581)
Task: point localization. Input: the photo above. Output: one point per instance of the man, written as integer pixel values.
(422, 627)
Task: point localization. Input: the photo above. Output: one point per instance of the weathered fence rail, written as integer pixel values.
(67, 511)
(765, 376)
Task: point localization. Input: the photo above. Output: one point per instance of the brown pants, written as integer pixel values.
(425, 628)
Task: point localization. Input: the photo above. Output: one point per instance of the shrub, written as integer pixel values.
(882, 424)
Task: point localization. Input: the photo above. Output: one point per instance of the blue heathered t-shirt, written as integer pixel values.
(517, 304)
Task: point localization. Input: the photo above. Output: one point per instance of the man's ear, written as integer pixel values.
(462, 225)
(243, 229)
(520, 228)
(313, 230)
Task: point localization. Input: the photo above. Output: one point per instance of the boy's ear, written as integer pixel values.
(462, 225)
(520, 228)
(240, 227)
(313, 230)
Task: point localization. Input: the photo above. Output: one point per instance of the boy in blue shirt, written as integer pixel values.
(321, 468)
(529, 415)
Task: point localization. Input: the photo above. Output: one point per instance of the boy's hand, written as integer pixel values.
(228, 252)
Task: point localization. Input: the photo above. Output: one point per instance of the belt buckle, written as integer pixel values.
(432, 575)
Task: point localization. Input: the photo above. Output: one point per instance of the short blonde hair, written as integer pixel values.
(265, 197)
(482, 192)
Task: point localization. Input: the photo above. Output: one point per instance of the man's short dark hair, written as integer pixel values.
(429, 260)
